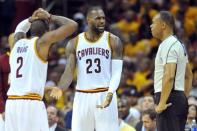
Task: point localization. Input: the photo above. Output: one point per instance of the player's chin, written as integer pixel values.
(101, 29)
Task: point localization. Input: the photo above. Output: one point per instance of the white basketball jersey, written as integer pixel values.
(93, 62)
(28, 71)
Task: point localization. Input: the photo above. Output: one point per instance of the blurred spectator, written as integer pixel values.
(192, 100)
(68, 120)
(69, 98)
(131, 97)
(194, 84)
(4, 45)
(144, 29)
(4, 72)
(80, 19)
(124, 113)
(131, 94)
(53, 119)
(125, 127)
(148, 121)
(190, 17)
(112, 10)
(148, 103)
(192, 115)
(142, 78)
(127, 24)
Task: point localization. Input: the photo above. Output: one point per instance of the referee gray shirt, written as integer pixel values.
(170, 51)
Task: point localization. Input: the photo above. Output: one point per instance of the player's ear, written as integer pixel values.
(88, 19)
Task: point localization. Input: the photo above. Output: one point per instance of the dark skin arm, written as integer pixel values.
(188, 79)
(117, 50)
(116, 46)
(167, 85)
(67, 76)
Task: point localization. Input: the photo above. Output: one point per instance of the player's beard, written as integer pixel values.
(97, 29)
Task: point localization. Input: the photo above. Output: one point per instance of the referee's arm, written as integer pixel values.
(168, 81)
(167, 85)
(188, 79)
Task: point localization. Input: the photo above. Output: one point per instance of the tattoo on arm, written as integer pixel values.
(67, 77)
(117, 48)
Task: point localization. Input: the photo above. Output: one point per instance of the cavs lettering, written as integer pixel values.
(93, 51)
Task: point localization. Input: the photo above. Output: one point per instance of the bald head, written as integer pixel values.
(39, 27)
(168, 18)
(92, 10)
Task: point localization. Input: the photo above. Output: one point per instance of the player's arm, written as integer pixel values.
(67, 76)
(188, 79)
(21, 30)
(116, 69)
(67, 28)
(116, 64)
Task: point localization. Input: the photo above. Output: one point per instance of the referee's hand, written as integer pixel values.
(162, 107)
(107, 101)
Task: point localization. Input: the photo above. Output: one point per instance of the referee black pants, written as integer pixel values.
(175, 116)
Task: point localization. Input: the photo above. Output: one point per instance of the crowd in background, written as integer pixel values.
(130, 20)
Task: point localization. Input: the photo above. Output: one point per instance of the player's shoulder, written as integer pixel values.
(113, 37)
(74, 40)
(26, 39)
(72, 44)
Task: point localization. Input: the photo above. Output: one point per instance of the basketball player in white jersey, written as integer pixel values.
(25, 110)
(97, 55)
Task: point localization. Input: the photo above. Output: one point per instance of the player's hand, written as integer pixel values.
(42, 14)
(39, 14)
(56, 93)
(107, 101)
(33, 17)
(36, 14)
(162, 107)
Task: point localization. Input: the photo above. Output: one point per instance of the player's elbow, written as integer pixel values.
(74, 25)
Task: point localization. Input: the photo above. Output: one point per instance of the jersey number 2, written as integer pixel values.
(89, 62)
(20, 62)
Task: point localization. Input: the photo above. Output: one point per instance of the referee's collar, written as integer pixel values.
(169, 39)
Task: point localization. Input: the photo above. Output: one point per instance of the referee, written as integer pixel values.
(173, 76)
